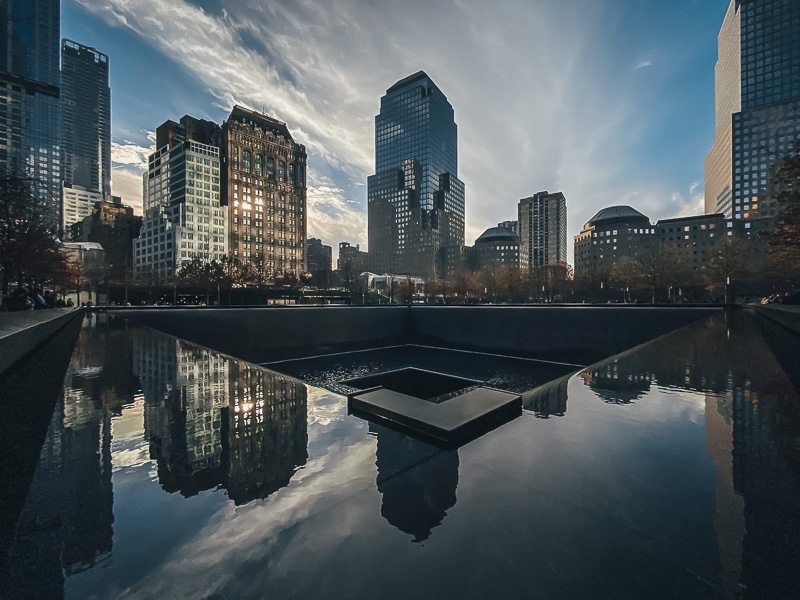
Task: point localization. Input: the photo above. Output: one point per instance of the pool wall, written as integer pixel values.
(576, 334)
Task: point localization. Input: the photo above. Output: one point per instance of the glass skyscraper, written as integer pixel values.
(416, 201)
(29, 98)
(757, 108)
(85, 118)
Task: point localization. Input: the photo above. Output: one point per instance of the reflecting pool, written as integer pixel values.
(173, 471)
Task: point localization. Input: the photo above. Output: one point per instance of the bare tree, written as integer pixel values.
(731, 262)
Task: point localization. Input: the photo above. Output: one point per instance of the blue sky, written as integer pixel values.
(609, 101)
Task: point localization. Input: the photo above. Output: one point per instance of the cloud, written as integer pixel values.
(128, 164)
(643, 64)
(333, 217)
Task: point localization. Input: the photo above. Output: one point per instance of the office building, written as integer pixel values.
(543, 228)
(351, 258)
(264, 187)
(320, 262)
(498, 247)
(77, 204)
(614, 233)
(757, 108)
(114, 226)
(512, 225)
(85, 118)
(183, 214)
(415, 199)
(29, 99)
(618, 233)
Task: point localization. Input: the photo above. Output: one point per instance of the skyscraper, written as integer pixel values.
(415, 199)
(757, 108)
(543, 228)
(29, 98)
(183, 213)
(85, 118)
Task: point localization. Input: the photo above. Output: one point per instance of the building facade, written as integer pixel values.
(183, 214)
(498, 247)
(264, 183)
(415, 199)
(320, 261)
(543, 228)
(512, 225)
(77, 204)
(611, 235)
(757, 106)
(29, 99)
(85, 118)
(114, 226)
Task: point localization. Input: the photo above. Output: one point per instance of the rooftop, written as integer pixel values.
(618, 214)
(497, 234)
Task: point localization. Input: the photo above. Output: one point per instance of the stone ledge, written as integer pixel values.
(451, 423)
(22, 332)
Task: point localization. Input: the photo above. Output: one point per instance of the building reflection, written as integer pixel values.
(418, 482)
(67, 522)
(215, 422)
(549, 400)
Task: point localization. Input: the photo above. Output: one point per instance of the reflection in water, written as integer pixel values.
(212, 421)
(67, 523)
(417, 480)
(752, 421)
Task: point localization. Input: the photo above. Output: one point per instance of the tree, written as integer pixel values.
(784, 241)
(663, 269)
(626, 275)
(510, 282)
(29, 249)
(731, 262)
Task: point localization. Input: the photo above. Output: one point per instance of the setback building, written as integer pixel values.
(183, 214)
(543, 228)
(415, 199)
(757, 108)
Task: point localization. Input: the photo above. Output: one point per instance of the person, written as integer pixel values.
(70, 303)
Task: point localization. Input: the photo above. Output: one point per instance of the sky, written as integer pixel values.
(608, 101)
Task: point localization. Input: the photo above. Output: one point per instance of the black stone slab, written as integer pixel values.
(419, 383)
(450, 423)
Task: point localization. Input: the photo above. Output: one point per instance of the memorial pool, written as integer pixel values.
(170, 470)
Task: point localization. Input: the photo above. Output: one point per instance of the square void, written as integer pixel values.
(428, 405)
(419, 383)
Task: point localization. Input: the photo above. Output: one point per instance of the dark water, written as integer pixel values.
(170, 471)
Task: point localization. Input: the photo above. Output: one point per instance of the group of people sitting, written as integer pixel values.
(23, 298)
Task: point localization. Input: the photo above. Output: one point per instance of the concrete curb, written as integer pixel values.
(24, 331)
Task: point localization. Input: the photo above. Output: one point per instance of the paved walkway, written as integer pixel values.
(14, 322)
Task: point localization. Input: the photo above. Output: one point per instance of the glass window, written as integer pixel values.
(259, 164)
(271, 167)
(281, 171)
(246, 161)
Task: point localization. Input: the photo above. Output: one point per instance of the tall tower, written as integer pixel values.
(415, 199)
(757, 108)
(29, 98)
(543, 228)
(85, 118)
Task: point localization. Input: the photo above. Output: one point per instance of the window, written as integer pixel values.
(271, 167)
(291, 174)
(259, 165)
(246, 161)
(281, 171)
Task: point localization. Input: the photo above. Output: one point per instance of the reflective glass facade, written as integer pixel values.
(85, 118)
(416, 201)
(765, 34)
(29, 97)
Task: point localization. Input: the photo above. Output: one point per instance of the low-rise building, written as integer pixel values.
(498, 247)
